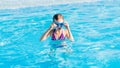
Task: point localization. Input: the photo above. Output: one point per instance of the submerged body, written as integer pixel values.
(58, 42)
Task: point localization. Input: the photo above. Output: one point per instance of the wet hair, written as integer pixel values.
(55, 17)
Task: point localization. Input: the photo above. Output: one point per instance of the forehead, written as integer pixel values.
(59, 15)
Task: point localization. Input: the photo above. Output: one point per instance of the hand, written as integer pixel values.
(53, 25)
(66, 25)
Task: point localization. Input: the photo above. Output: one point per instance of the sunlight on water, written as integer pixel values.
(13, 4)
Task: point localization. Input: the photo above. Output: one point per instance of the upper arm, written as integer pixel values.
(44, 36)
(66, 33)
(50, 33)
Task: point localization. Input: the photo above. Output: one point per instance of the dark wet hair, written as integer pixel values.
(55, 17)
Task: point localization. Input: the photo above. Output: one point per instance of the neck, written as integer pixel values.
(58, 30)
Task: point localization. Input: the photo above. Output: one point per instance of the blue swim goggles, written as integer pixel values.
(59, 24)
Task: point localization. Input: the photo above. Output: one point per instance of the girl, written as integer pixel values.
(56, 31)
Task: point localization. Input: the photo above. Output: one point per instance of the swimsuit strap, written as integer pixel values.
(53, 34)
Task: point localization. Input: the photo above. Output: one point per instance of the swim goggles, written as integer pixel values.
(59, 24)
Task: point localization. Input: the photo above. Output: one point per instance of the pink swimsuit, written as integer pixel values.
(60, 38)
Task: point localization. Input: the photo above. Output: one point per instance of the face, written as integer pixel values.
(60, 18)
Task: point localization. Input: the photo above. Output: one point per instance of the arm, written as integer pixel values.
(68, 32)
(46, 34)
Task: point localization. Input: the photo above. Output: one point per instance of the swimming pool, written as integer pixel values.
(95, 27)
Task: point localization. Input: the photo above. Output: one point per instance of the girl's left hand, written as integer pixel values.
(66, 25)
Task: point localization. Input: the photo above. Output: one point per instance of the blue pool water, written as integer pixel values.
(95, 27)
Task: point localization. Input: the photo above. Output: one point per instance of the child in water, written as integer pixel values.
(56, 31)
